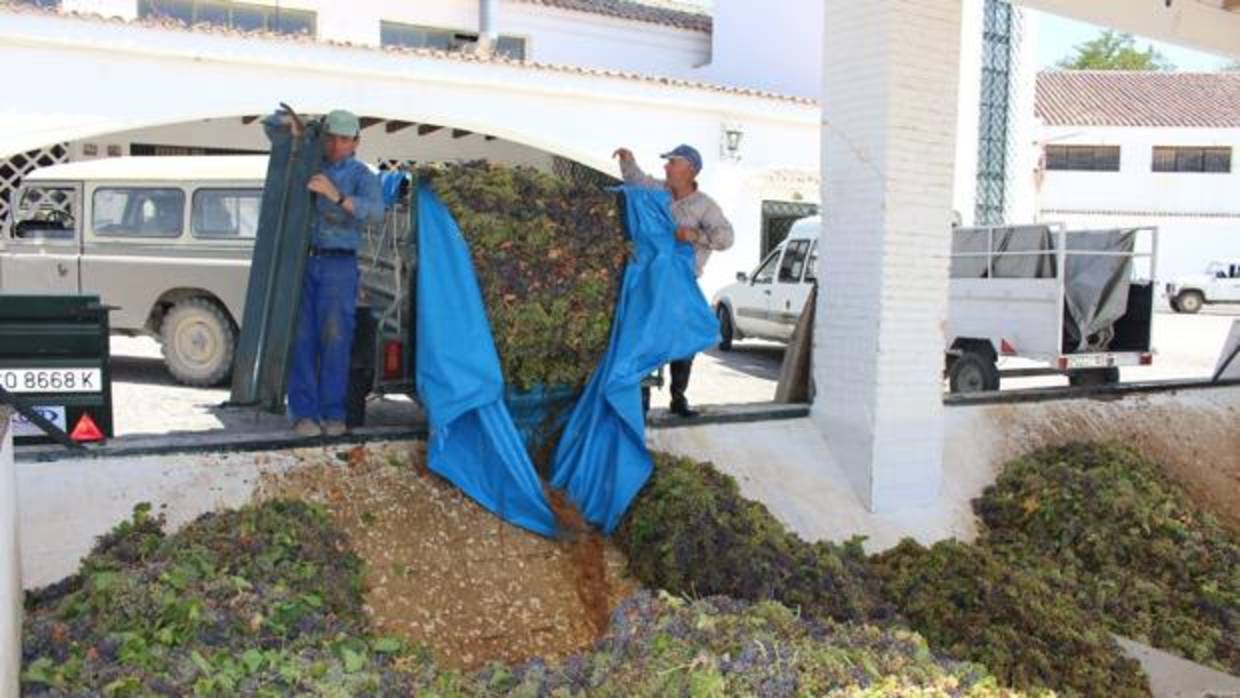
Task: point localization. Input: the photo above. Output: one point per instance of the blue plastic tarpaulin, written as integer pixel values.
(473, 440)
(601, 460)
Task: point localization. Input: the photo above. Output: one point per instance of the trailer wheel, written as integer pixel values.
(1093, 376)
(1189, 302)
(198, 342)
(972, 373)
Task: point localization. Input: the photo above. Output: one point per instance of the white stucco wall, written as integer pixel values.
(964, 196)
(552, 35)
(1198, 214)
(575, 38)
(1136, 187)
(773, 45)
(1024, 127)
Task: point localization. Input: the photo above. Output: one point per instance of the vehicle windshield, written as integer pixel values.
(48, 212)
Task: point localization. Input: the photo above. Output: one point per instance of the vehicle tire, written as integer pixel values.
(1190, 302)
(1093, 377)
(972, 373)
(198, 342)
(727, 331)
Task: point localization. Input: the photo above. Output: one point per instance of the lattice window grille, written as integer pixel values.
(14, 168)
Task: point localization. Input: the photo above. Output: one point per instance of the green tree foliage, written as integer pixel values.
(1115, 51)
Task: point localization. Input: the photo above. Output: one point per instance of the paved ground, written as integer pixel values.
(1187, 347)
(148, 401)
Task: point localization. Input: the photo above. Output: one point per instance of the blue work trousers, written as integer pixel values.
(319, 375)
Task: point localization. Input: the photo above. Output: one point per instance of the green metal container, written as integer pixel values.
(54, 355)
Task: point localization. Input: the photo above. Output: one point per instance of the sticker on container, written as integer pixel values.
(22, 426)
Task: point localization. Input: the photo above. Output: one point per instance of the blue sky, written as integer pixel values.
(1059, 36)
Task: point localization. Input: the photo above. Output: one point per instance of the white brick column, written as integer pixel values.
(891, 72)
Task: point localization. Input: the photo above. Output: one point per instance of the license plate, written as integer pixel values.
(24, 427)
(51, 380)
(1090, 361)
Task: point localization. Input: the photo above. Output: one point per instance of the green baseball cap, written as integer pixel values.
(343, 123)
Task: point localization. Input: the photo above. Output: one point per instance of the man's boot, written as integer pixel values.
(680, 384)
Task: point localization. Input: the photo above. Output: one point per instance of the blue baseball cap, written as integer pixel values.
(687, 153)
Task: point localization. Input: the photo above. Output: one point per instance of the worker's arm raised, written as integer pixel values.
(632, 173)
(282, 120)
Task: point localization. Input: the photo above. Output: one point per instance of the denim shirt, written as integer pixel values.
(334, 227)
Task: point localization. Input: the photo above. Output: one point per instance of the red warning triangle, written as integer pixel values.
(86, 430)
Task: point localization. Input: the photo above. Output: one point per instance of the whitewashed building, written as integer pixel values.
(566, 82)
(1145, 148)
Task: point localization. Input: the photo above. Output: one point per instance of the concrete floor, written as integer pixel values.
(1173, 677)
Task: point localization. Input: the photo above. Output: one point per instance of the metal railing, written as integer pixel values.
(1060, 235)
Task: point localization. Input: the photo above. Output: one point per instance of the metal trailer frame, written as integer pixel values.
(1059, 361)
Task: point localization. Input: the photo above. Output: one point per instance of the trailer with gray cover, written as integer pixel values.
(1079, 302)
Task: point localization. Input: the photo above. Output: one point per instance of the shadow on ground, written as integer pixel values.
(752, 359)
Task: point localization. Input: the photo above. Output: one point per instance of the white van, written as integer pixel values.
(767, 303)
(166, 241)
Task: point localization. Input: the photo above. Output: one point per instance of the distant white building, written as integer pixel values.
(1144, 148)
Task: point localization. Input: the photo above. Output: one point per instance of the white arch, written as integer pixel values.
(111, 77)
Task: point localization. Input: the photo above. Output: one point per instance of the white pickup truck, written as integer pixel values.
(1220, 284)
(1077, 302)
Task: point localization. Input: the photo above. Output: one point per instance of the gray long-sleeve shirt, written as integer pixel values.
(697, 211)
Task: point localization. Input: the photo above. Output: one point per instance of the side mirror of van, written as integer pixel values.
(742, 276)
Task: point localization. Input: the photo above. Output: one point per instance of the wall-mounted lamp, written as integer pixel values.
(730, 143)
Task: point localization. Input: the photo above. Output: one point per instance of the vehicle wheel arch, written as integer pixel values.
(169, 298)
(975, 345)
(1190, 300)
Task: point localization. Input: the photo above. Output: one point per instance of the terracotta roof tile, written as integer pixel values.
(1139, 99)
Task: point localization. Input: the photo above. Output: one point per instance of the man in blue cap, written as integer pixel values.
(347, 196)
(700, 222)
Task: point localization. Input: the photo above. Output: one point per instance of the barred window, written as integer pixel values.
(242, 16)
(414, 36)
(1084, 158)
(1216, 160)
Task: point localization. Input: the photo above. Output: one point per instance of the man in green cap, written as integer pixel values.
(347, 195)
